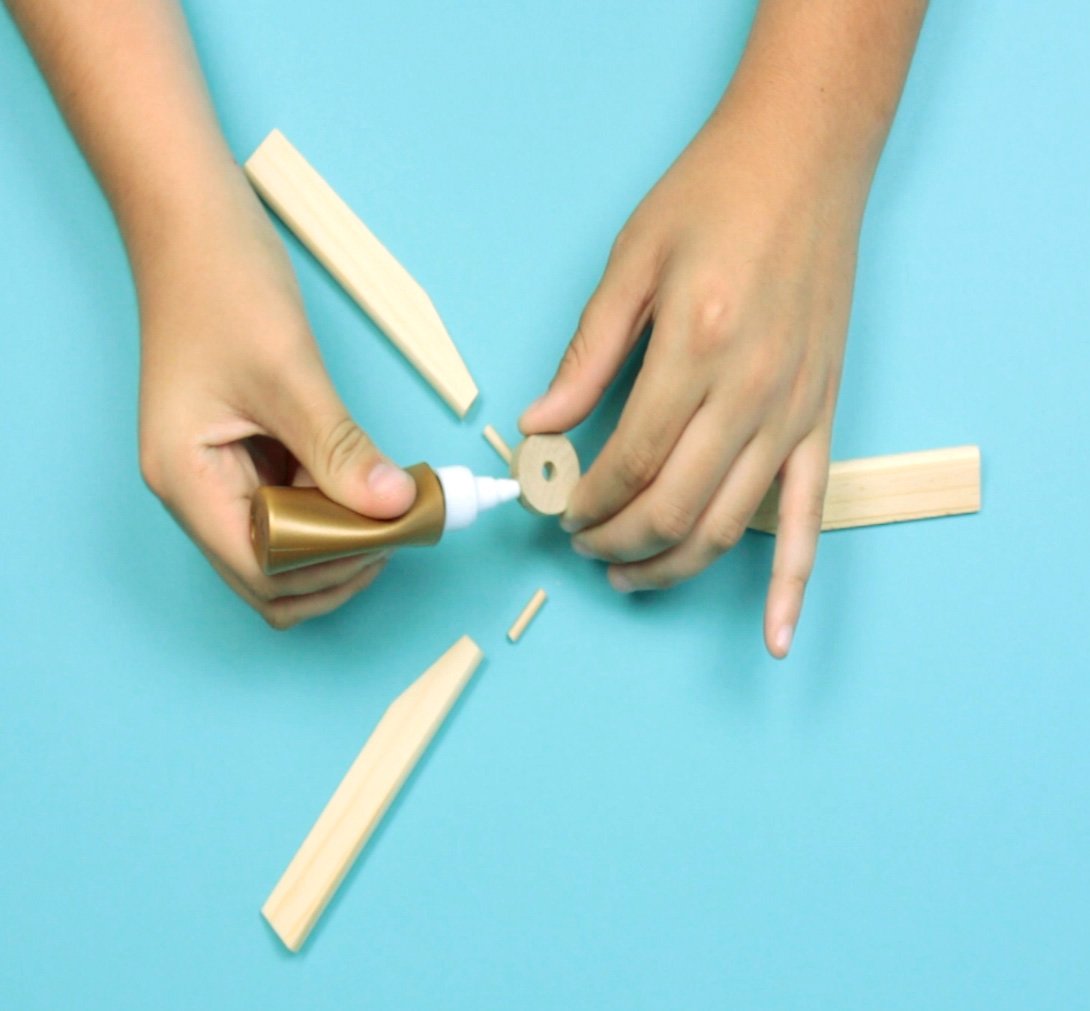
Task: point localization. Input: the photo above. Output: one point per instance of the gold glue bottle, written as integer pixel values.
(293, 527)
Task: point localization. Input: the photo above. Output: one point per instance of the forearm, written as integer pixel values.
(126, 78)
(821, 79)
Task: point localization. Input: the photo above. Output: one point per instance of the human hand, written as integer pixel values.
(233, 395)
(742, 258)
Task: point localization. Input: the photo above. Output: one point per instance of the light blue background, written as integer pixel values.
(635, 808)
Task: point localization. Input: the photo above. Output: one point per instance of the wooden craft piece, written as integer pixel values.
(495, 440)
(891, 489)
(369, 786)
(514, 633)
(547, 469)
(366, 269)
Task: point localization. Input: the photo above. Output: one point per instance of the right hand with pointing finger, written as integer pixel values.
(234, 395)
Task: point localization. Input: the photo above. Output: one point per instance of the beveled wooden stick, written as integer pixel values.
(366, 269)
(367, 790)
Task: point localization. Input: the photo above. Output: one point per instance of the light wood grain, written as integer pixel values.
(327, 226)
(514, 633)
(368, 788)
(547, 470)
(892, 489)
(496, 441)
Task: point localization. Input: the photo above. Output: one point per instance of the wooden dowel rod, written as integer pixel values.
(514, 633)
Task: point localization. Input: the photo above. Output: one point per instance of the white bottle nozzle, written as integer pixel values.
(467, 496)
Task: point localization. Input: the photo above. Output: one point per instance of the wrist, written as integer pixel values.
(819, 85)
(784, 162)
(177, 210)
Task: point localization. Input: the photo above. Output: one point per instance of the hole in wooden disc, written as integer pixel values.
(548, 471)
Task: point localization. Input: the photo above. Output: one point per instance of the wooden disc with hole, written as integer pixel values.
(547, 469)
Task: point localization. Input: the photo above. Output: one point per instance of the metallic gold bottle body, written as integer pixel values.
(294, 527)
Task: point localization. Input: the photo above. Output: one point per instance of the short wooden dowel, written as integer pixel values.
(514, 633)
(496, 441)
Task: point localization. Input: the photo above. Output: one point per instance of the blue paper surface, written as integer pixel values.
(635, 807)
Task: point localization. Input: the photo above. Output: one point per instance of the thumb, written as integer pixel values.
(344, 462)
(608, 330)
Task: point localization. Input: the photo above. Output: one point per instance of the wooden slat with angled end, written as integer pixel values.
(367, 790)
(366, 269)
(892, 489)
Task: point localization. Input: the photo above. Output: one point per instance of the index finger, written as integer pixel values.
(664, 398)
(802, 498)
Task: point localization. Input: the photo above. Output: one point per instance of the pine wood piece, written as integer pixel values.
(368, 788)
(496, 441)
(514, 633)
(547, 470)
(892, 489)
(367, 270)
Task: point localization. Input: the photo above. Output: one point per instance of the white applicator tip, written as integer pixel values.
(492, 491)
(467, 496)
(509, 489)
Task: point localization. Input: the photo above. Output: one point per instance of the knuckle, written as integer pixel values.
(639, 246)
(578, 349)
(723, 533)
(625, 242)
(761, 377)
(812, 512)
(671, 521)
(263, 590)
(806, 396)
(712, 321)
(151, 470)
(339, 444)
(793, 581)
(807, 513)
(637, 465)
(631, 267)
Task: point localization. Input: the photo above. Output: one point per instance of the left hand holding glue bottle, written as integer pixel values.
(233, 392)
(234, 396)
(246, 441)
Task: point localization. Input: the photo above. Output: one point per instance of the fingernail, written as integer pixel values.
(581, 549)
(783, 639)
(389, 481)
(620, 582)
